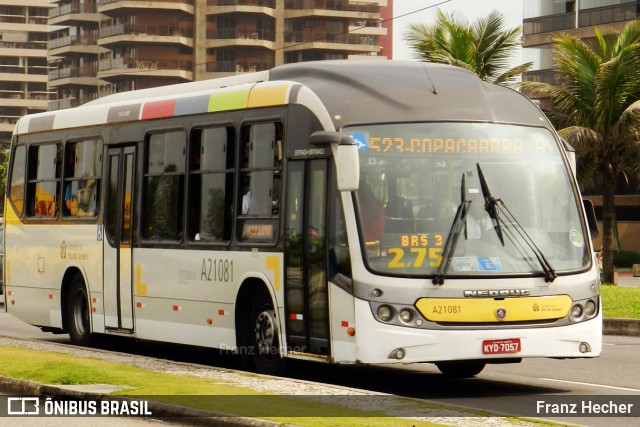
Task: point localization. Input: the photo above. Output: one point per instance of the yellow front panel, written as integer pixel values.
(484, 310)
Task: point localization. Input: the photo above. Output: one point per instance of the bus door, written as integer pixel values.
(118, 286)
(306, 258)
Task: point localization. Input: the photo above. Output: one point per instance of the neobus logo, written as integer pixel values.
(498, 293)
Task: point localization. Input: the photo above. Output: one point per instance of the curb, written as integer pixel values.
(628, 327)
(181, 414)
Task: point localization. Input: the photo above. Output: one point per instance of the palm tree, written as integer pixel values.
(484, 47)
(596, 103)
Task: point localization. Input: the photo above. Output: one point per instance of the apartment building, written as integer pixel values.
(545, 18)
(98, 47)
(23, 62)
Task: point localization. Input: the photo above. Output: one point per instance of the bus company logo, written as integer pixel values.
(497, 293)
(536, 307)
(63, 250)
(501, 313)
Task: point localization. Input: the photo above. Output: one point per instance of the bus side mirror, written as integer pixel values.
(592, 222)
(346, 158)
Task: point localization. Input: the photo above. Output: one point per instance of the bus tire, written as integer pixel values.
(78, 323)
(461, 369)
(265, 336)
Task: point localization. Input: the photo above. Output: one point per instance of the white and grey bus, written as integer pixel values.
(338, 211)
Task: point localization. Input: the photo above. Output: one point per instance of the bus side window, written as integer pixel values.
(164, 186)
(17, 179)
(261, 169)
(260, 181)
(82, 169)
(44, 180)
(211, 184)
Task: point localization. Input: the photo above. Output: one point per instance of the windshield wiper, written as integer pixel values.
(494, 206)
(452, 239)
(490, 204)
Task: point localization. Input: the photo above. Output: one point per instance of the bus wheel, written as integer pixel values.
(461, 369)
(78, 322)
(265, 337)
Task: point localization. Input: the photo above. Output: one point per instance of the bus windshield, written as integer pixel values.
(509, 186)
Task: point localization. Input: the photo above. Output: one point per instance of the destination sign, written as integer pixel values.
(455, 145)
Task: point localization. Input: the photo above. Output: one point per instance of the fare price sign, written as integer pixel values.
(413, 250)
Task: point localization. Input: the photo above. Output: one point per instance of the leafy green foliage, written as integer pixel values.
(626, 259)
(484, 47)
(596, 101)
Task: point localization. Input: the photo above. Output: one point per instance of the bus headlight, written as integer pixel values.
(584, 310)
(576, 312)
(590, 308)
(405, 315)
(385, 313)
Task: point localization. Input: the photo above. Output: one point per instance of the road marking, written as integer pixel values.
(591, 384)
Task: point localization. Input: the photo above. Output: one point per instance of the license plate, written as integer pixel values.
(511, 345)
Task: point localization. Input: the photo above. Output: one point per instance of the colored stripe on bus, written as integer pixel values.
(232, 100)
(37, 124)
(267, 96)
(124, 113)
(158, 109)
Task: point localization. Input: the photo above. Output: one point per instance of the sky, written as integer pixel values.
(470, 9)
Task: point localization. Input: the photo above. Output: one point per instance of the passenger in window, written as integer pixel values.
(70, 199)
(246, 203)
(86, 202)
(71, 190)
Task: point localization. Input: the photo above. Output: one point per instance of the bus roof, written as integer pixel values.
(351, 91)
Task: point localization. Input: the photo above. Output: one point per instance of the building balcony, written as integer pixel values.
(61, 104)
(259, 3)
(154, 34)
(220, 7)
(70, 102)
(549, 23)
(74, 45)
(73, 14)
(84, 76)
(119, 67)
(9, 98)
(107, 6)
(323, 40)
(8, 123)
(339, 5)
(22, 19)
(34, 48)
(241, 37)
(366, 29)
(22, 71)
(609, 14)
(240, 66)
(549, 76)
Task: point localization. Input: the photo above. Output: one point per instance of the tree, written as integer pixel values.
(484, 47)
(596, 104)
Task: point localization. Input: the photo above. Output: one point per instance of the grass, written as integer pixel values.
(54, 368)
(620, 302)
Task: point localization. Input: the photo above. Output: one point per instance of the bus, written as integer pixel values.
(347, 212)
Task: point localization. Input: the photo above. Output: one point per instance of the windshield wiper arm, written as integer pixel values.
(490, 204)
(494, 206)
(452, 239)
